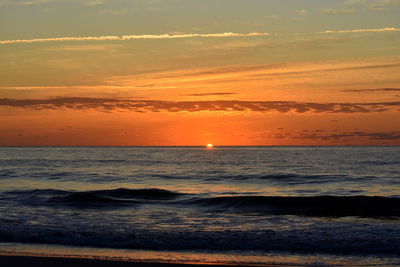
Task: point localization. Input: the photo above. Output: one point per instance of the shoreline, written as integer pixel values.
(25, 259)
(13, 254)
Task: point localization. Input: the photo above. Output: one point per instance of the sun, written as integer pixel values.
(210, 145)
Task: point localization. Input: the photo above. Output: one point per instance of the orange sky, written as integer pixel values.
(286, 73)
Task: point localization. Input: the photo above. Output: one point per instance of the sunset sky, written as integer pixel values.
(192, 72)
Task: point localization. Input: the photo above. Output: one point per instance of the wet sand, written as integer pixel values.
(13, 260)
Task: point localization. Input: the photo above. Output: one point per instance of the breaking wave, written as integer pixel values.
(102, 198)
(322, 206)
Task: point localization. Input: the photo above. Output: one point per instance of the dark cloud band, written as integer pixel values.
(79, 103)
(370, 135)
(372, 90)
(212, 94)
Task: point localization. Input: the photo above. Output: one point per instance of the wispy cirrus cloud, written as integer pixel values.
(74, 48)
(317, 81)
(283, 75)
(24, 2)
(186, 36)
(356, 6)
(383, 4)
(137, 37)
(387, 29)
(81, 103)
(95, 3)
(373, 5)
(337, 11)
(349, 7)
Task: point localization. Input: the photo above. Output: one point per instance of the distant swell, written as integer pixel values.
(290, 178)
(364, 206)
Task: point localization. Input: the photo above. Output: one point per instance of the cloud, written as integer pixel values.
(388, 29)
(230, 45)
(356, 6)
(377, 5)
(372, 90)
(287, 74)
(137, 37)
(24, 2)
(382, 4)
(75, 48)
(395, 135)
(185, 36)
(356, 2)
(81, 103)
(337, 11)
(95, 3)
(302, 12)
(250, 72)
(314, 80)
(113, 12)
(212, 94)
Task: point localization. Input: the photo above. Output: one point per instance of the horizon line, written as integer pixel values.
(183, 146)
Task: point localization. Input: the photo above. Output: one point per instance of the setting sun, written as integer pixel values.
(210, 145)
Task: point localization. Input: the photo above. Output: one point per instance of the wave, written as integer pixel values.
(37, 192)
(115, 196)
(321, 206)
(89, 198)
(151, 193)
(290, 178)
(359, 239)
(324, 206)
(95, 197)
(385, 162)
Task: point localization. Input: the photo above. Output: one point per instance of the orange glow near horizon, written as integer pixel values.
(315, 102)
(126, 128)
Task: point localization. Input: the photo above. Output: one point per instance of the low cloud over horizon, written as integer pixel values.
(372, 90)
(393, 135)
(107, 105)
(212, 94)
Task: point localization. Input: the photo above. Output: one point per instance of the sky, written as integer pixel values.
(193, 72)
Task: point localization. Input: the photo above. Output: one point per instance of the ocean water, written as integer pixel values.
(333, 204)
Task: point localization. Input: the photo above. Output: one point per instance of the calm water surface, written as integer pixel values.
(331, 201)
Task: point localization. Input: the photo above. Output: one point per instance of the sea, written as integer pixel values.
(293, 206)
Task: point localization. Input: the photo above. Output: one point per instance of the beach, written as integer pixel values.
(78, 262)
(89, 258)
(8, 260)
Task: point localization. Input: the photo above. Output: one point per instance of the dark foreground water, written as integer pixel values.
(327, 201)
